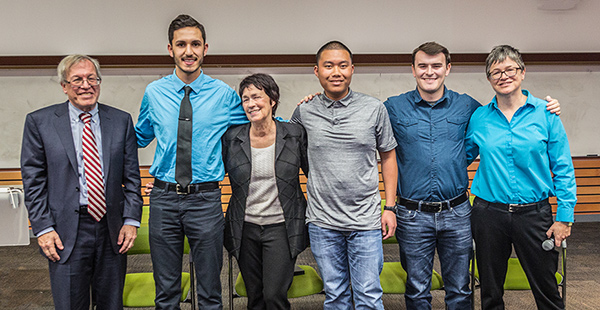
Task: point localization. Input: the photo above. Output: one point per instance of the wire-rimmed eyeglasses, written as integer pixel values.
(78, 82)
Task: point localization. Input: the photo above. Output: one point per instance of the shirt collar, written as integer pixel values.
(75, 112)
(344, 101)
(417, 97)
(195, 85)
(494, 102)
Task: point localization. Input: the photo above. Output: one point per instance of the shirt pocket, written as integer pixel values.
(456, 127)
(407, 129)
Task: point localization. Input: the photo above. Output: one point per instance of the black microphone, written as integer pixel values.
(548, 245)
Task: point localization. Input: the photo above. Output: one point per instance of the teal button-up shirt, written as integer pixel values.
(215, 105)
(522, 161)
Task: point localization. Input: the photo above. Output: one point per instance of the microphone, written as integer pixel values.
(548, 245)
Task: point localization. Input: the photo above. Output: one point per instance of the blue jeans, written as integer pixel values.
(199, 217)
(348, 256)
(419, 234)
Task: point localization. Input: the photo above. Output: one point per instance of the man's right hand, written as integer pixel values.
(149, 187)
(49, 242)
(308, 98)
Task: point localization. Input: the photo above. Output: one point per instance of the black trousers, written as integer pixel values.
(495, 230)
(266, 265)
(93, 263)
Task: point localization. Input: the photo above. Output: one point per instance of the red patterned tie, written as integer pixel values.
(93, 171)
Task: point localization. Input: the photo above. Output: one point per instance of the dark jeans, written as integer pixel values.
(92, 263)
(199, 217)
(419, 234)
(266, 265)
(495, 232)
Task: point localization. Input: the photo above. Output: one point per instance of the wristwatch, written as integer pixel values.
(393, 209)
(568, 223)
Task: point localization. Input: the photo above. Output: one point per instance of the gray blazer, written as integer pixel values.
(290, 155)
(50, 177)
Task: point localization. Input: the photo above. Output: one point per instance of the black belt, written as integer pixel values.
(512, 207)
(433, 207)
(83, 210)
(190, 189)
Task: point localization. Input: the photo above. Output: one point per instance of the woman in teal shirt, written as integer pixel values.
(524, 159)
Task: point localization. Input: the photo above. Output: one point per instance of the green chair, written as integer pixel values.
(393, 279)
(306, 282)
(393, 276)
(139, 289)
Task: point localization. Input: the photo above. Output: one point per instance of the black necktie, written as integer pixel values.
(183, 167)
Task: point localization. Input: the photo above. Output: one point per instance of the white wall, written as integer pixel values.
(117, 27)
(575, 86)
(138, 27)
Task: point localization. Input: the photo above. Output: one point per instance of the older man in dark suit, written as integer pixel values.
(82, 189)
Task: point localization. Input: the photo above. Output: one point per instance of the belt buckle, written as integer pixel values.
(439, 205)
(179, 190)
(512, 207)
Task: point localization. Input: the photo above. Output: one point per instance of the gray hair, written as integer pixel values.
(69, 61)
(500, 53)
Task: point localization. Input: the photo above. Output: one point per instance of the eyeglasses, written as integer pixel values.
(510, 72)
(78, 82)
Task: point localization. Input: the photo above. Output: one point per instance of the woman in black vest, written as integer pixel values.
(265, 222)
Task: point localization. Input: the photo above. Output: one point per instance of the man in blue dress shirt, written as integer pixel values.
(433, 209)
(193, 210)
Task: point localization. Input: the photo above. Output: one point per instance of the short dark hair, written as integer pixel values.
(263, 82)
(500, 53)
(431, 49)
(333, 45)
(183, 21)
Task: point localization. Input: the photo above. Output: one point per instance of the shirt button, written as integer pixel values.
(336, 121)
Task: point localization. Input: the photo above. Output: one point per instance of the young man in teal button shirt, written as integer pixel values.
(194, 211)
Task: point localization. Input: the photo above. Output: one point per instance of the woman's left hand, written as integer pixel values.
(560, 231)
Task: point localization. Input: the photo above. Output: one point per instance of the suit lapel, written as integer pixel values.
(279, 139)
(106, 128)
(62, 124)
(244, 136)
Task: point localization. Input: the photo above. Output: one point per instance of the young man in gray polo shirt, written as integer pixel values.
(345, 131)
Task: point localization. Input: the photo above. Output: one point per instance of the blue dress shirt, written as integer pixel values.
(215, 107)
(77, 126)
(432, 163)
(517, 157)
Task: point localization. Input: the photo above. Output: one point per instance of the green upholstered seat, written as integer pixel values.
(139, 289)
(305, 284)
(393, 276)
(393, 279)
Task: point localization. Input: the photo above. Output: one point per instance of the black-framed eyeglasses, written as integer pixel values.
(510, 72)
(78, 82)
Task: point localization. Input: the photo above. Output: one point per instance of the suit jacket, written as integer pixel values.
(50, 176)
(290, 155)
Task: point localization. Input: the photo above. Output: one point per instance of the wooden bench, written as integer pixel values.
(587, 174)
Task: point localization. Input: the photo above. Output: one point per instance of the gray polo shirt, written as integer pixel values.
(343, 139)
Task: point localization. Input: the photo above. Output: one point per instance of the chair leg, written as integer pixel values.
(193, 296)
(473, 277)
(564, 272)
(230, 283)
